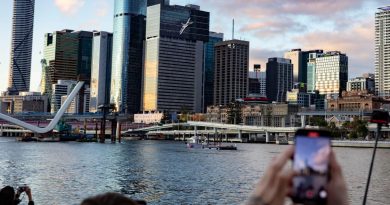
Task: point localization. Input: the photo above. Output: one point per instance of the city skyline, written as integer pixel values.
(272, 27)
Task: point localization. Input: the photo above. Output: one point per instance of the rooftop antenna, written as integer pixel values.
(233, 31)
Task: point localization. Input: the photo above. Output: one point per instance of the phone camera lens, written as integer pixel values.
(323, 194)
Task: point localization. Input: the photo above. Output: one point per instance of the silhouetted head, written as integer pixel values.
(7, 196)
(109, 199)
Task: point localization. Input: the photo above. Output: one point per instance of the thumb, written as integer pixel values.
(335, 169)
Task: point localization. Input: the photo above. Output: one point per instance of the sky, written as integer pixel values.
(272, 27)
(313, 152)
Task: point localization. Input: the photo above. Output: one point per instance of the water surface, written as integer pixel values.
(163, 172)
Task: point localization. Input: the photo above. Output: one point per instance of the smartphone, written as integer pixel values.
(311, 164)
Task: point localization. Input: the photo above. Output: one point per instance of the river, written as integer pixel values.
(164, 172)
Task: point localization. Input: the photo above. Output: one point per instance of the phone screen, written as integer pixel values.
(311, 163)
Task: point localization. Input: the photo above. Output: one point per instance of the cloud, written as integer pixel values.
(321, 158)
(69, 7)
(264, 8)
(102, 9)
(272, 28)
(357, 41)
(275, 26)
(261, 55)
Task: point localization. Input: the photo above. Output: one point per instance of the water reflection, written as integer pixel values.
(163, 172)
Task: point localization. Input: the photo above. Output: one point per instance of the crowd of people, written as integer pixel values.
(273, 188)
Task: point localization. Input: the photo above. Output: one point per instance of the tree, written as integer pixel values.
(334, 130)
(184, 112)
(234, 113)
(360, 127)
(357, 128)
(318, 121)
(165, 117)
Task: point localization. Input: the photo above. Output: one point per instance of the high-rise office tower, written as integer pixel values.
(21, 46)
(279, 78)
(262, 78)
(209, 66)
(101, 70)
(84, 63)
(331, 73)
(175, 37)
(231, 71)
(303, 78)
(257, 81)
(60, 58)
(295, 55)
(382, 52)
(127, 56)
(154, 2)
(311, 70)
(299, 59)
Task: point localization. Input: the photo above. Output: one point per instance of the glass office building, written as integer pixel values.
(331, 74)
(175, 37)
(84, 64)
(279, 78)
(311, 70)
(60, 58)
(101, 70)
(209, 66)
(129, 32)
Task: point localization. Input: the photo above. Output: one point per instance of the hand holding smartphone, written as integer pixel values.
(316, 176)
(311, 165)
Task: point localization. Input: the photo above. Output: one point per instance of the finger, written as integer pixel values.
(287, 180)
(282, 186)
(283, 158)
(335, 169)
(273, 189)
(270, 178)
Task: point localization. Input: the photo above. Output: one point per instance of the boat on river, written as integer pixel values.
(227, 147)
(196, 143)
(48, 139)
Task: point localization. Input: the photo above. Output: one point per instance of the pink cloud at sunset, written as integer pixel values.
(321, 158)
(69, 7)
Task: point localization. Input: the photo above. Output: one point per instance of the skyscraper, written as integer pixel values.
(231, 71)
(127, 57)
(279, 78)
(84, 62)
(257, 81)
(209, 66)
(311, 70)
(331, 73)
(295, 55)
(299, 59)
(175, 37)
(60, 58)
(101, 70)
(21, 46)
(154, 2)
(382, 52)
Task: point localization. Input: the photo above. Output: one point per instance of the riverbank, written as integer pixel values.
(335, 143)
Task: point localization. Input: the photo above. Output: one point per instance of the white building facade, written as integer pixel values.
(382, 52)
